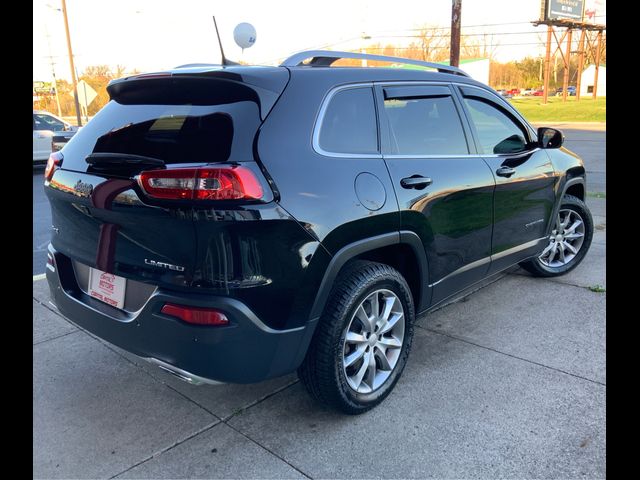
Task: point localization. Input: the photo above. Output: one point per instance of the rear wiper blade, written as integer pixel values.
(104, 158)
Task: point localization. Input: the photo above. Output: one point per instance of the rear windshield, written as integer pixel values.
(173, 133)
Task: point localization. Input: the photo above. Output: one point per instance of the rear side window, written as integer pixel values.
(425, 126)
(173, 133)
(349, 123)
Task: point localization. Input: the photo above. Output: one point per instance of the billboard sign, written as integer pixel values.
(595, 12)
(564, 10)
(43, 88)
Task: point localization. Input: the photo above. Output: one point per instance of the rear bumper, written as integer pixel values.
(246, 351)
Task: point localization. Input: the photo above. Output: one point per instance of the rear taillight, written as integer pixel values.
(233, 182)
(55, 160)
(196, 315)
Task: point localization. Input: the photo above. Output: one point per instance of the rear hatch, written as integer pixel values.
(124, 189)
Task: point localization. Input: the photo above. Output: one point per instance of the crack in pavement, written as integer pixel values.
(511, 355)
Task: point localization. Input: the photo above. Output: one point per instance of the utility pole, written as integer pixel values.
(53, 71)
(73, 69)
(456, 12)
(547, 65)
(580, 63)
(567, 65)
(595, 75)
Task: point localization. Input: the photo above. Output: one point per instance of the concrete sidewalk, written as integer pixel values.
(506, 382)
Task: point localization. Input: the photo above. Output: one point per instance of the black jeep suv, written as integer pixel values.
(236, 223)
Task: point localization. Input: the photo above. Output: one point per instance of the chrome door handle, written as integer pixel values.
(505, 171)
(416, 181)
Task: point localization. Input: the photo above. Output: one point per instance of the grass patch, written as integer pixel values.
(586, 110)
(597, 289)
(597, 194)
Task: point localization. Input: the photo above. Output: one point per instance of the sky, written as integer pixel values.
(152, 35)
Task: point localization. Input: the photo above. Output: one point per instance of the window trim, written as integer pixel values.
(320, 119)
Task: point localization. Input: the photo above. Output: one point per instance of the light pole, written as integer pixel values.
(363, 49)
(73, 70)
(53, 72)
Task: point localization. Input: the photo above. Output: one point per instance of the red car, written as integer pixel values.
(514, 91)
(538, 93)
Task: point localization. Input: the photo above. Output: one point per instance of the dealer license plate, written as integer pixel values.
(107, 287)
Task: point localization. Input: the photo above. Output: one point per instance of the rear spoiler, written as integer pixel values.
(197, 88)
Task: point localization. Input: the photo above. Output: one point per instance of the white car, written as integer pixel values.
(47, 130)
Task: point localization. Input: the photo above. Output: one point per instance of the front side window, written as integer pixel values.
(425, 126)
(497, 132)
(349, 123)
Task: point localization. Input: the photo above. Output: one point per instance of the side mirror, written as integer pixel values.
(550, 138)
(512, 144)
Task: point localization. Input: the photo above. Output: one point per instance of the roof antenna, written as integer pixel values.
(225, 61)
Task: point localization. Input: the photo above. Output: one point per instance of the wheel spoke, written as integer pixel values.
(375, 307)
(389, 302)
(390, 342)
(362, 316)
(552, 255)
(357, 378)
(354, 356)
(566, 220)
(353, 337)
(547, 250)
(573, 226)
(573, 249)
(371, 369)
(391, 323)
(573, 236)
(561, 253)
(384, 361)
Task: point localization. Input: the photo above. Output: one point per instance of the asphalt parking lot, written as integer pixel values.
(509, 381)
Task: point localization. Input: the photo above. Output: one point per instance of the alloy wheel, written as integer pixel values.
(373, 341)
(565, 240)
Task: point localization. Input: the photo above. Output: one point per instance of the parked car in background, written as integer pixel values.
(50, 133)
(571, 91)
(538, 93)
(514, 91)
(527, 92)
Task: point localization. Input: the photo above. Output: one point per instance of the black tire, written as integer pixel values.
(322, 371)
(538, 269)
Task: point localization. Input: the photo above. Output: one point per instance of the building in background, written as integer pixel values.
(587, 81)
(477, 68)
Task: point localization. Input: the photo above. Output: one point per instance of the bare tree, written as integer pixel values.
(432, 45)
(484, 46)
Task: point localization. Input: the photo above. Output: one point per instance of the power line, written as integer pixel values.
(469, 46)
(462, 35)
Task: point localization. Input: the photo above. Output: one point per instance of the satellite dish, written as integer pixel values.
(245, 35)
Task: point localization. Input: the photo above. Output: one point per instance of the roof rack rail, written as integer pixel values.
(324, 58)
(191, 65)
